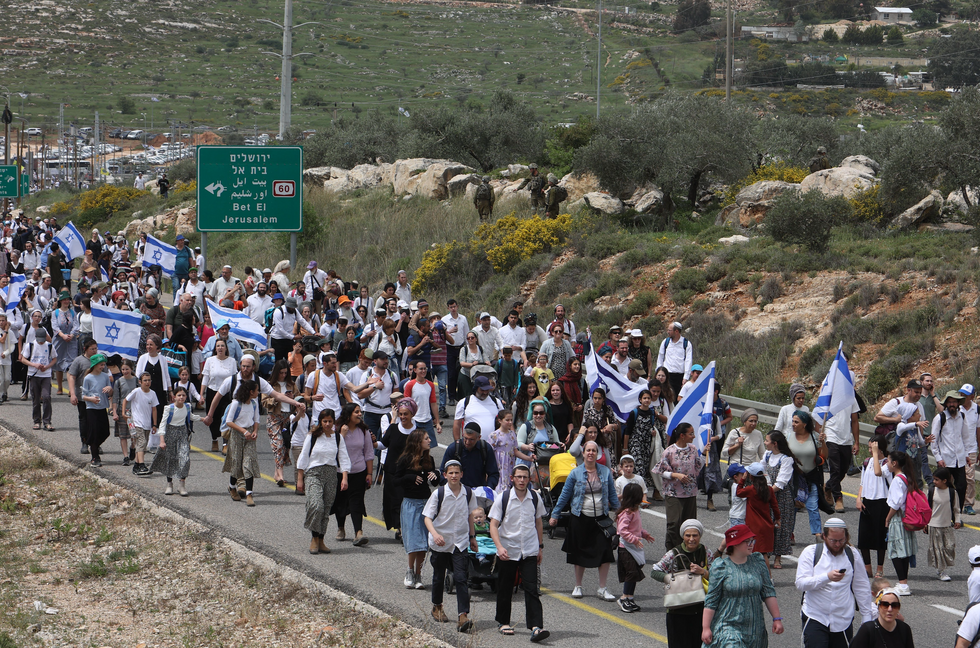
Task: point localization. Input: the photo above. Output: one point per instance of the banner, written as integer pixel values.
(14, 291)
(243, 327)
(837, 390)
(159, 253)
(117, 332)
(71, 242)
(621, 395)
(696, 408)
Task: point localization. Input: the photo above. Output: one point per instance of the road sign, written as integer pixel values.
(249, 188)
(8, 180)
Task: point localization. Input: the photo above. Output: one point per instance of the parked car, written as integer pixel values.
(34, 131)
(116, 133)
(134, 134)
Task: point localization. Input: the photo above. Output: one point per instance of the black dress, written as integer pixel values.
(394, 439)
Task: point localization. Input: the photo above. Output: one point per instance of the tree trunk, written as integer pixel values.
(692, 191)
(966, 196)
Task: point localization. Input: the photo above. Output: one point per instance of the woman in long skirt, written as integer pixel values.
(394, 440)
(639, 434)
(780, 467)
(64, 322)
(174, 456)
(242, 423)
(277, 418)
(324, 454)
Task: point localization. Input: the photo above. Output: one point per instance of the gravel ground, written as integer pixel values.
(86, 563)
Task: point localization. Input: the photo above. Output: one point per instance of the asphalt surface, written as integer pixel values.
(374, 573)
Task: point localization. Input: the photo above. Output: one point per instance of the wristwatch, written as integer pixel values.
(540, 546)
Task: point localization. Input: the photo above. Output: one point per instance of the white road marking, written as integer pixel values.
(945, 608)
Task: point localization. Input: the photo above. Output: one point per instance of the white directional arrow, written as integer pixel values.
(10, 178)
(216, 188)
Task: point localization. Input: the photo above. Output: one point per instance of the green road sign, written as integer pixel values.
(249, 188)
(25, 184)
(8, 180)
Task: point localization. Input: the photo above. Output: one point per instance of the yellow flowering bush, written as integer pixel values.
(182, 186)
(109, 198)
(435, 262)
(62, 208)
(868, 206)
(772, 171)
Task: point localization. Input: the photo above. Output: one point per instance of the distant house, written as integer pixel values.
(773, 32)
(893, 14)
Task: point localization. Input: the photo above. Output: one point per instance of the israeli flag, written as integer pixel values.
(696, 408)
(158, 252)
(14, 291)
(621, 395)
(117, 332)
(105, 275)
(837, 390)
(71, 242)
(243, 327)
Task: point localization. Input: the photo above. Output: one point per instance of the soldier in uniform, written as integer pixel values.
(553, 197)
(483, 199)
(536, 184)
(820, 161)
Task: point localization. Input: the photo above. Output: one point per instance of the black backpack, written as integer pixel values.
(506, 496)
(483, 192)
(561, 192)
(441, 495)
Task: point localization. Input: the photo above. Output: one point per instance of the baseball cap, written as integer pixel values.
(266, 271)
(481, 382)
(913, 384)
(343, 299)
(484, 314)
(291, 302)
(974, 555)
(277, 296)
(756, 469)
(637, 366)
(697, 368)
(330, 315)
(735, 469)
(311, 265)
(967, 389)
(308, 359)
(180, 237)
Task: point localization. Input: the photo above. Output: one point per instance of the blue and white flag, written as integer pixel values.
(71, 241)
(622, 396)
(158, 252)
(837, 390)
(117, 331)
(105, 275)
(14, 291)
(697, 407)
(243, 327)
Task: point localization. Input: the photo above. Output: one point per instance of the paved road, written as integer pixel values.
(374, 573)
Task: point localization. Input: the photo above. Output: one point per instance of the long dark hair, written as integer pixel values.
(281, 365)
(762, 490)
(782, 444)
(414, 456)
(907, 466)
(523, 400)
(345, 414)
(631, 499)
(678, 431)
(244, 392)
(666, 391)
(318, 428)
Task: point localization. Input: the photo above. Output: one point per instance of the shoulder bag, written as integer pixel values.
(681, 587)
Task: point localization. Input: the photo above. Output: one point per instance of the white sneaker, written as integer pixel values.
(903, 590)
(605, 594)
(944, 577)
(419, 584)
(409, 579)
(577, 592)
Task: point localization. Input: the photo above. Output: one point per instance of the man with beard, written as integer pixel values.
(258, 303)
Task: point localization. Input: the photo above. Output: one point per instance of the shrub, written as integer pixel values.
(606, 244)
(772, 171)
(868, 207)
(771, 289)
(715, 272)
(806, 219)
(574, 274)
(830, 36)
(89, 217)
(641, 256)
(687, 282)
(692, 256)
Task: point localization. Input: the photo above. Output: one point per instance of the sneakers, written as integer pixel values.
(409, 579)
(625, 606)
(439, 614)
(443, 414)
(360, 539)
(944, 577)
(605, 594)
(169, 490)
(969, 510)
(127, 462)
(577, 592)
(144, 471)
(418, 581)
(182, 489)
(96, 463)
(903, 589)
(84, 449)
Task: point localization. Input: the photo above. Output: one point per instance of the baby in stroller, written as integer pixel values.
(486, 549)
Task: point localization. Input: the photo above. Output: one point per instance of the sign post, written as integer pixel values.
(8, 181)
(25, 183)
(249, 189)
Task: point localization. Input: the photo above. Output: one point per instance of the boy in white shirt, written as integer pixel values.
(141, 409)
(626, 467)
(451, 534)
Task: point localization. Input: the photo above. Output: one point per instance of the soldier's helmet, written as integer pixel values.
(532, 165)
(486, 178)
(552, 178)
(821, 150)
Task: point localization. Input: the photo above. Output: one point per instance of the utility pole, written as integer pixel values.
(286, 74)
(97, 151)
(598, 65)
(62, 143)
(729, 30)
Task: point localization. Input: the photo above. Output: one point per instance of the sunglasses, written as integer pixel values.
(893, 605)
(539, 413)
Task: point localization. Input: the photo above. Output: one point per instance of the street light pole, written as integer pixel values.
(286, 74)
(729, 30)
(598, 64)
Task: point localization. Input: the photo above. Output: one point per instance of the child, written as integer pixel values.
(508, 378)
(503, 440)
(39, 356)
(872, 502)
(486, 549)
(174, 458)
(973, 584)
(196, 359)
(141, 409)
(629, 526)
(736, 513)
(123, 386)
(296, 359)
(97, 394)
(626, 466)
(762, 511)
(945, 518)
(447, 518)
(300, 424)
(542, 374)
(184, 380)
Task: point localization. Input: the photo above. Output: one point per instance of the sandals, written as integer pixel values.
(506, 630)
(37, 426)
(539, 634)
(49, 428)
(777, 565)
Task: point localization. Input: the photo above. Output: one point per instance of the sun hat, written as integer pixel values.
(737, 535)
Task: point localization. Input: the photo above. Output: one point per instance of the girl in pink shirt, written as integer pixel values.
(631, 537)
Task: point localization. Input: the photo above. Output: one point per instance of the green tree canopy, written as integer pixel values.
(955, 61)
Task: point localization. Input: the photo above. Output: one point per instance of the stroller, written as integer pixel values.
(483, 564)
(559, 467)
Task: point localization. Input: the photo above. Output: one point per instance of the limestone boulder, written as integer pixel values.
(186, 222)
(317, 175)
(458, 185)
(839, 181)
(764, 190)
(153, 187)
(518, 169)
(43, 209)
(861, 163)
(365, 176)
(507, 189)
(434, 181)
(954, 201)
(925, 210)
(948, 228)
(753, 203)
(732, 240)
(644, 199)
(578, 185)
(603, 203)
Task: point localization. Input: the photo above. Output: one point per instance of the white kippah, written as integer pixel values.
(834, 523)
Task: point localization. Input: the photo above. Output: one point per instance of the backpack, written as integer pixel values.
(268, 317)
(481, 444)
(818, 552)
(483, 192)
(506, 496)
(170, 415)
(340, 391)
(561, 193)
(667, 341)
(917, 510)
(966, 612)
(224, 423)
(441, 495)
(466, 402)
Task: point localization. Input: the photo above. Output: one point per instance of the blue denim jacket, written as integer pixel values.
(574, 490)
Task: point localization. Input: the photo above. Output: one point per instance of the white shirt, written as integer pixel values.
(325, 453)
(220, 286)
(971, 419)
(785, 473)
(404, 293)
(313, 279)
(453, 521)
(685, 388)
(784, 422)
(832, 604)
(244, 415)
(838, 428)
(264, 387)
(874, 487)
(621, 365)
(459, 337)
(973, 587)
(739, 504)
(379, 400)
(283, 321)
(217, 371)
(897, 492)
(675, 357)
(971, 623)
(512, 336)
(949, 444)
(300, 431)
(145, 361)
(29, 259)
(518, 532)
(327, 387)
(257, 306)
(489, 341)
(483, 413)
(41, 353)
(356, 376)
(141, 405)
